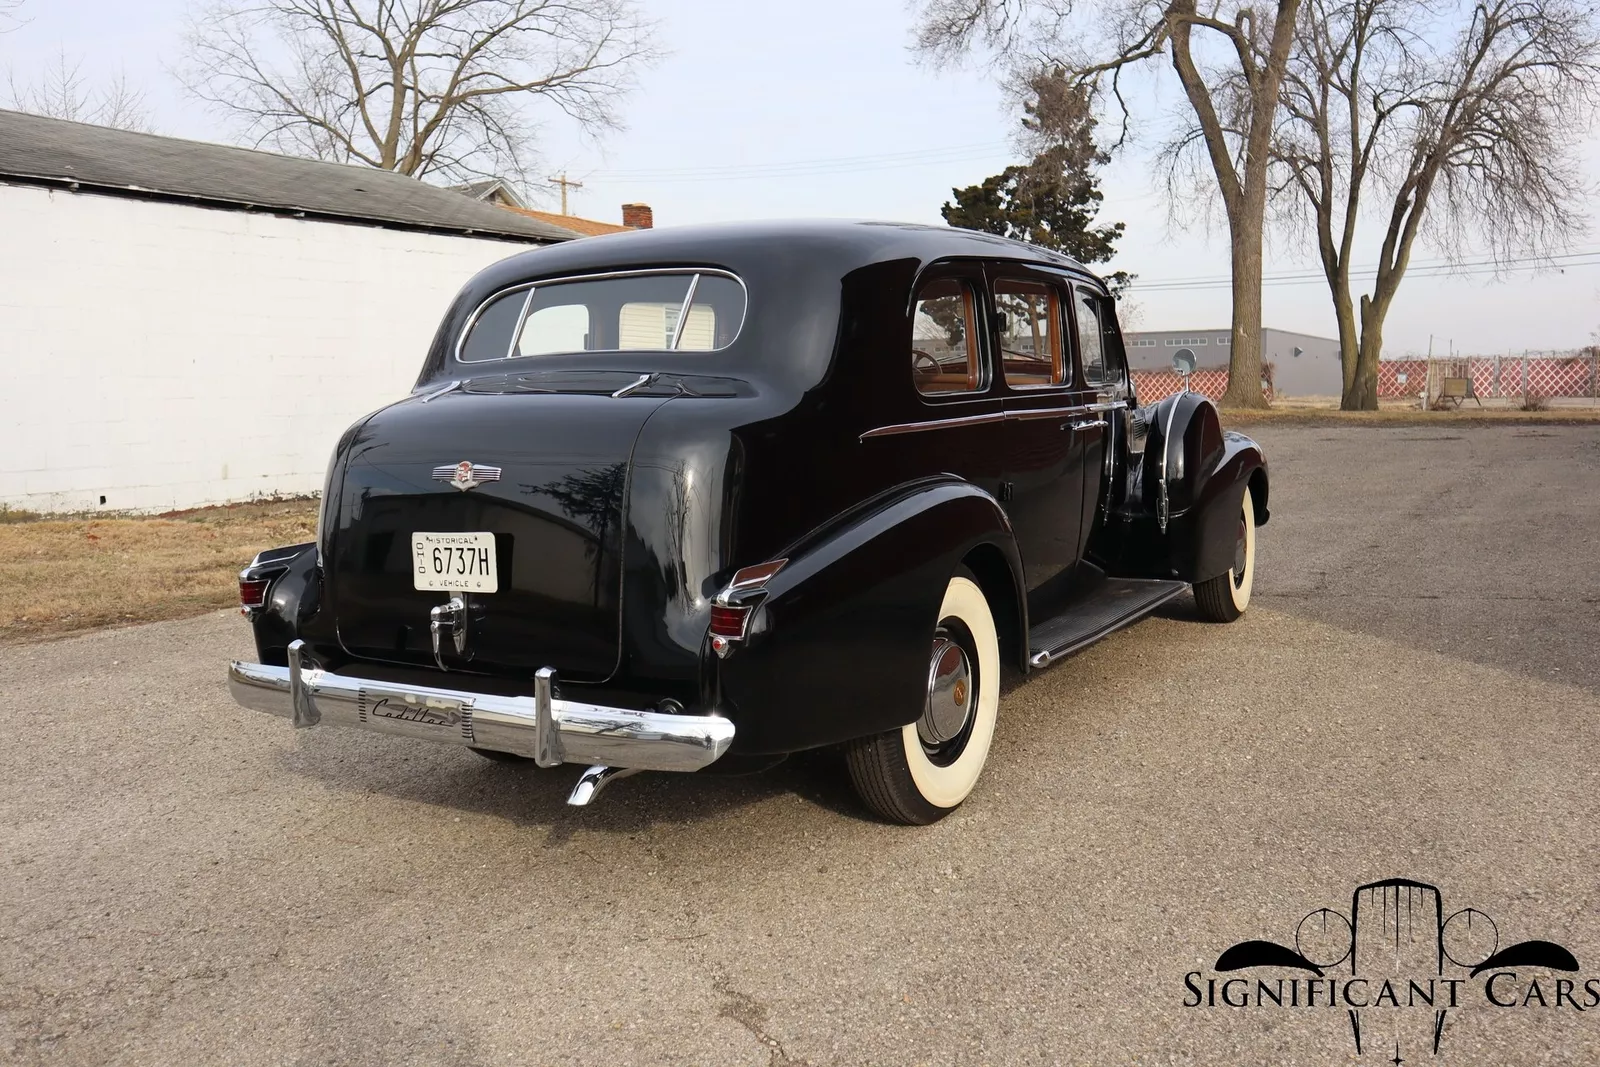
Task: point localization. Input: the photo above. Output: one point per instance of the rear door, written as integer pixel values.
(1044, 478)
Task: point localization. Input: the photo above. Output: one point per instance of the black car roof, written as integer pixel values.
(849, 244)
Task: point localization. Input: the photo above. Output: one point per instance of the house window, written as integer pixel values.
(944, 339)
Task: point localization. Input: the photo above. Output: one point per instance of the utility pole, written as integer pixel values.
(564, 183)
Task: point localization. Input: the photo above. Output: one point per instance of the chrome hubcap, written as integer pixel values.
(950, 695)
(1239, 554)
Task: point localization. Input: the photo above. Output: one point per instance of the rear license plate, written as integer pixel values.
(454, 562)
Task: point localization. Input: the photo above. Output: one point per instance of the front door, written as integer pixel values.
(1105, 376)
(1043, 485)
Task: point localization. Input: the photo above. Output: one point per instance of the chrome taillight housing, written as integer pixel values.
(252, 592)
(732, 608)
(255, 583)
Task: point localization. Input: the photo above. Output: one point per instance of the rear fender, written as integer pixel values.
(838, 647)
(293, 597)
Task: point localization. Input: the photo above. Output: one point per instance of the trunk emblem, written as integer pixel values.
(465, 476)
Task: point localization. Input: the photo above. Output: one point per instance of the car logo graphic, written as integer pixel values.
(466, 475)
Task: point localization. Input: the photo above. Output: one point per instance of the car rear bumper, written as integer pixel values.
(544, 728)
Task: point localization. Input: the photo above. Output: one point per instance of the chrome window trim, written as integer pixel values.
(516, 327)
(529, 287)
(683, 313)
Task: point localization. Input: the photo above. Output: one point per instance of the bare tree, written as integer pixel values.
(8, 15)
(417, 86)
(1459, 116)
(63, 93)
(1231, 75)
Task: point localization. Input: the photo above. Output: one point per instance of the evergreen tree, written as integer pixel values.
(1051, 201)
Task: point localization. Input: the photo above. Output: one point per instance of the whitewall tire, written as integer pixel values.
(921, 772)
(1225, 597)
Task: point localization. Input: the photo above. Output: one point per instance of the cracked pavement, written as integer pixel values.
(1415, 692)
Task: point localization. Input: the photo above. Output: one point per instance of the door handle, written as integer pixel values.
(1085, 424)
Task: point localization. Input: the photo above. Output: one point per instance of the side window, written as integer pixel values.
(1111, 335)
(944, 339)
(1091, 338)
(1030, 333)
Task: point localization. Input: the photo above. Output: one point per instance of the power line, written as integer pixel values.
(802, 168)
(1370, 268)
(1426, 269)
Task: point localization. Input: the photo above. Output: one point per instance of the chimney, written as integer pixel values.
(639, 216)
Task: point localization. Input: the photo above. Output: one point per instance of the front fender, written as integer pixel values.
(1209, 528)
(1179, 511)
(838, 648)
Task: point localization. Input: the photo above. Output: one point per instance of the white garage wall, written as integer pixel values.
(166, 356)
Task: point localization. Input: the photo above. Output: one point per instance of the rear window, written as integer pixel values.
(685, 311)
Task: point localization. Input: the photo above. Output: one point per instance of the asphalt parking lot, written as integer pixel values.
(1415, 692)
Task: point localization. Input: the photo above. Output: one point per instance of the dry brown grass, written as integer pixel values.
(1412, 416)
(58, 575)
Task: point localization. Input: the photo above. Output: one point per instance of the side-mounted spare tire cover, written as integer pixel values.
(1182, 439)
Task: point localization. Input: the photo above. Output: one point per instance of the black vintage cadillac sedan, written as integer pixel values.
(701, 497)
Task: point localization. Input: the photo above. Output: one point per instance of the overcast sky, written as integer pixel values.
(767, 110)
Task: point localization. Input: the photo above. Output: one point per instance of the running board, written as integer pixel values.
(1115, 603)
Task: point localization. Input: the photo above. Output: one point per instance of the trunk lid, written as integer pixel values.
(556, 513)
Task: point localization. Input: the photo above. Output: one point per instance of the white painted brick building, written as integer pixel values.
(166, 346)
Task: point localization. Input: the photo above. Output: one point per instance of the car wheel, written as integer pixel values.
(921, 772)
(1224, 598)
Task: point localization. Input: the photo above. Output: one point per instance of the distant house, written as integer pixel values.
(496, 191)
(1302, 364)
(634, 217)
(499, 192)
(185, 323)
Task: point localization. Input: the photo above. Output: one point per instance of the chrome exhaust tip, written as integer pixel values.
(596, 778)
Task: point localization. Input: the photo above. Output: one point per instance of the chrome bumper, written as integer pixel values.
(542, 727)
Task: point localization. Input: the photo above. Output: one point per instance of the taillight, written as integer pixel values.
(730, 611)
(253, 593)
(728, 620)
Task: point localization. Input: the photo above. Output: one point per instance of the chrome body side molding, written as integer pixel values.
(994, 416)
